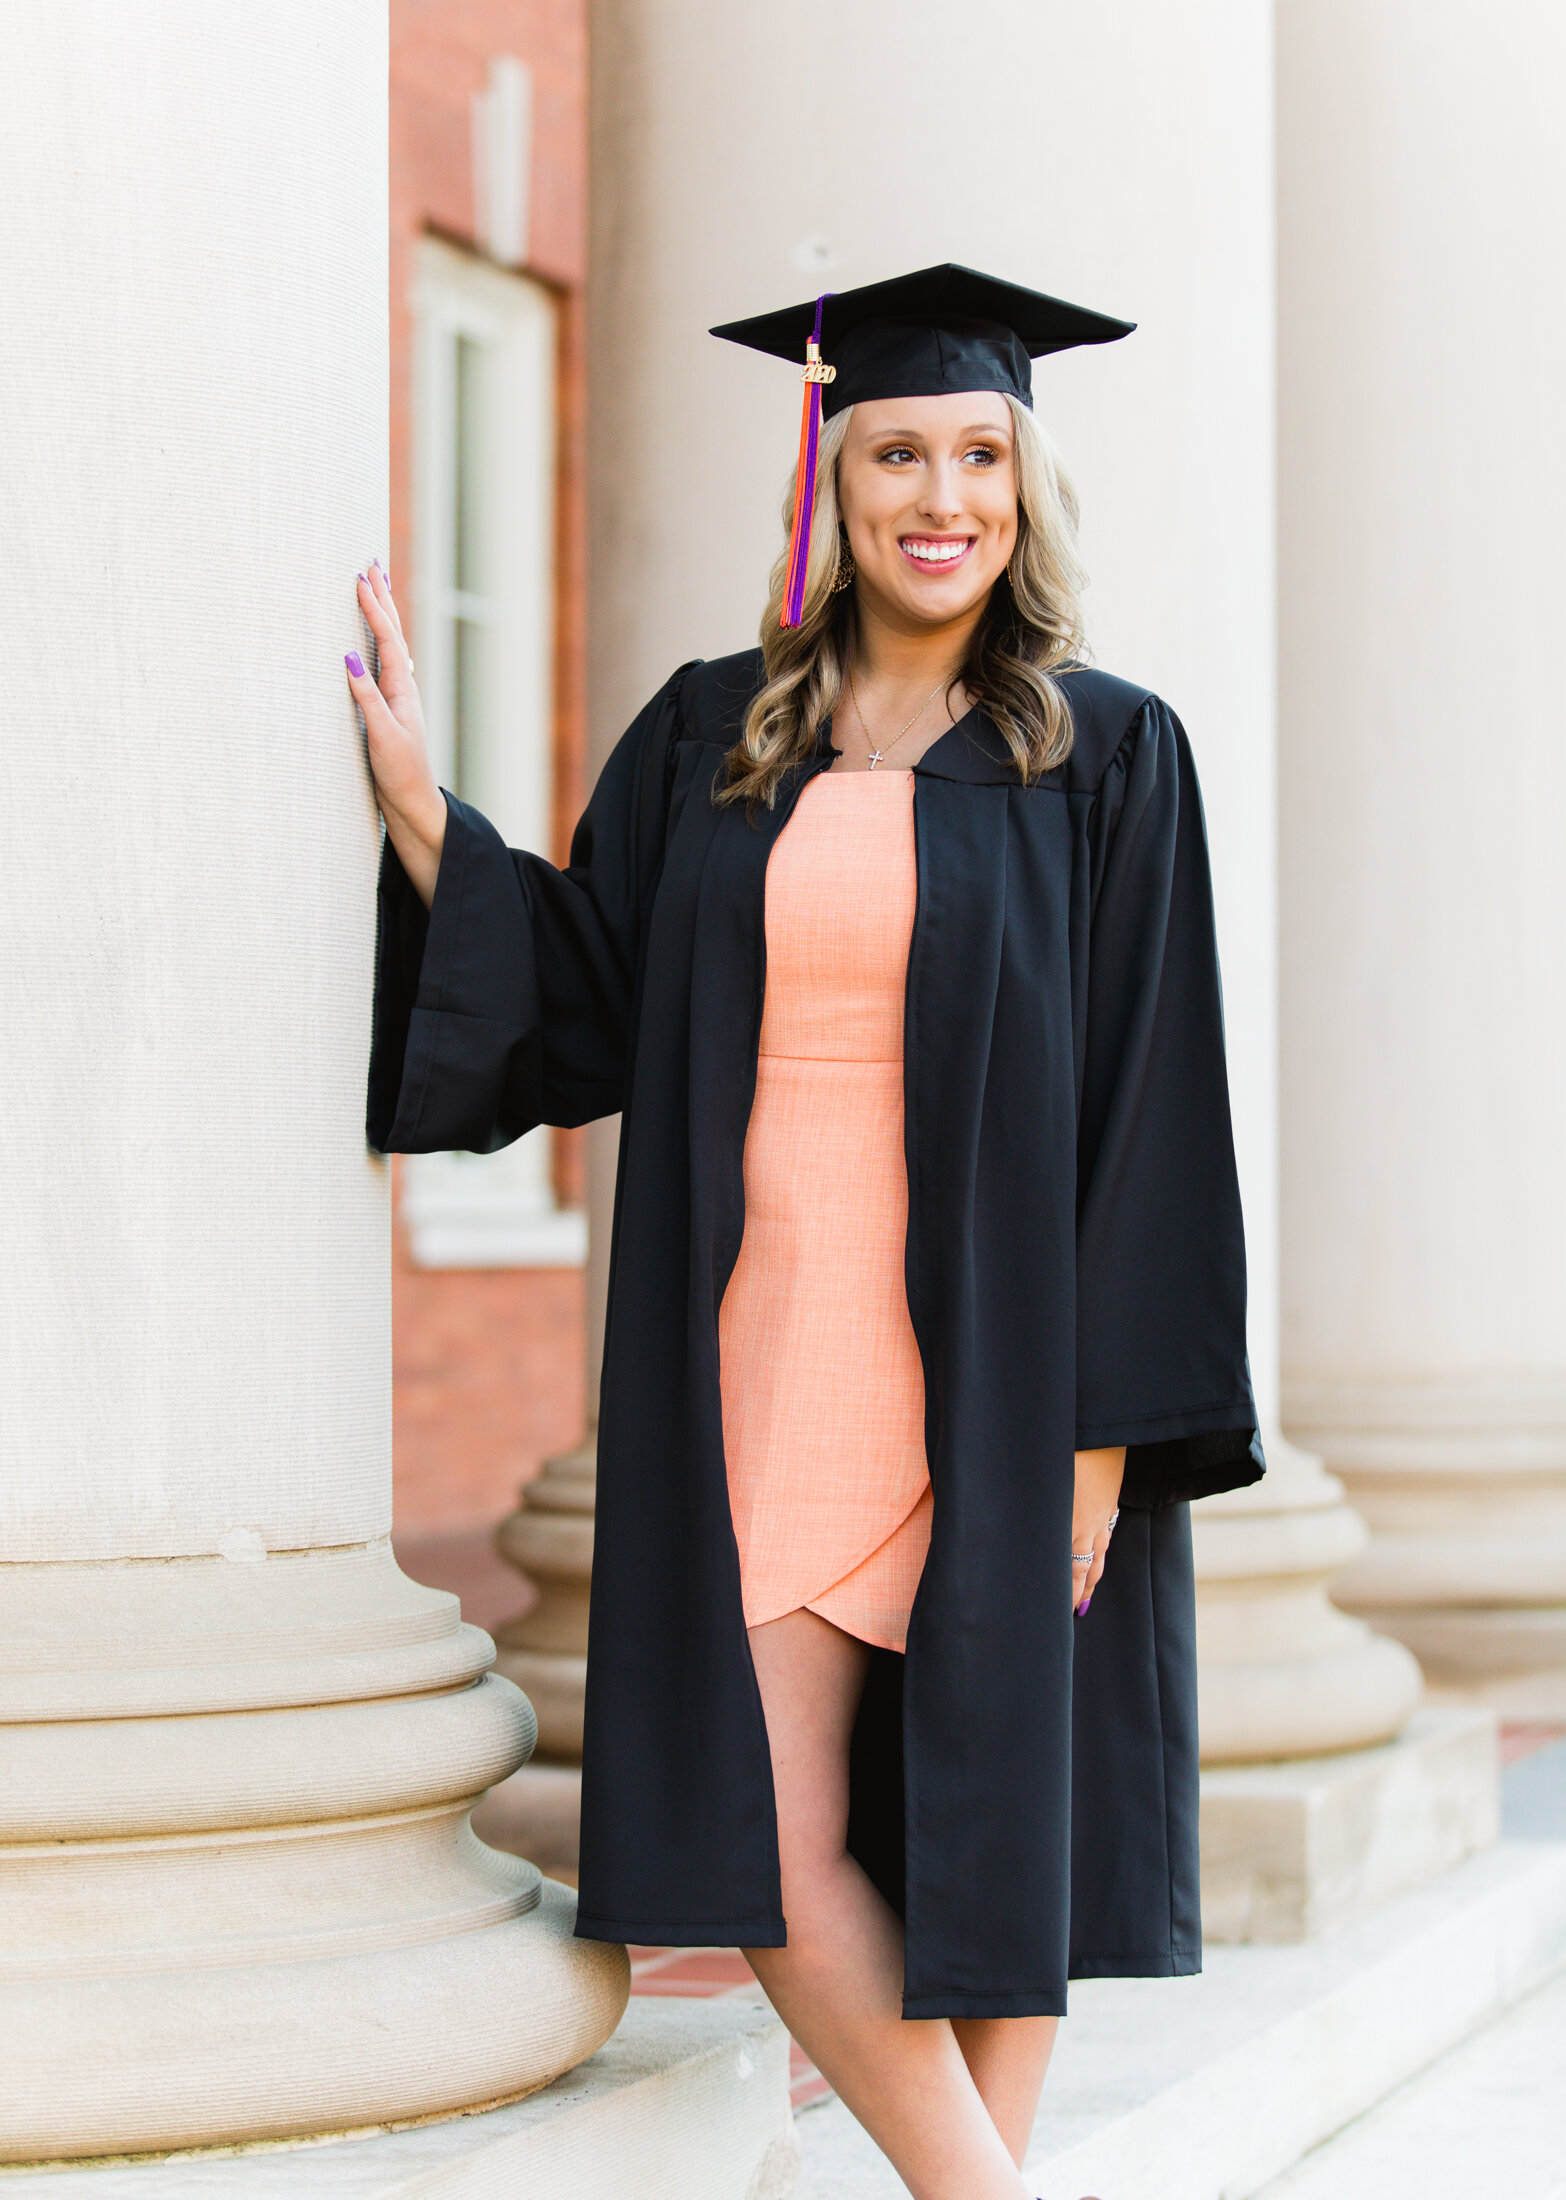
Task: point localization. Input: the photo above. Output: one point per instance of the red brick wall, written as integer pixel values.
(488, 1374)
(488, 1364)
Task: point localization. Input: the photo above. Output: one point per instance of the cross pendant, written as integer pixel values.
(875, 757)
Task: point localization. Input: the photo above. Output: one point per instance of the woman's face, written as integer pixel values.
(928, 491)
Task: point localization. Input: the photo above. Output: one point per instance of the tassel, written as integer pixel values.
(805, 475)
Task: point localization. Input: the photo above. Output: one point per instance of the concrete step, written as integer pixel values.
(688, 2101)
(1488, 2118)
(1211, 2088)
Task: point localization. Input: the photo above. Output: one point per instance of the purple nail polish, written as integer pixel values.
(1082, 1607)
(355, 664)
(365, 578)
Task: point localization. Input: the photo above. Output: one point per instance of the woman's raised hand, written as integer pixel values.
(411, 803)
(1094, 1512)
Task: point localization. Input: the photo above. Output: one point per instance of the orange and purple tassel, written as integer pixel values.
(805, 475)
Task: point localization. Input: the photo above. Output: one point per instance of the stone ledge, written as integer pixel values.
(1485, 2119)
(1294, 1850)
(1192, 2089)
(688, 2101)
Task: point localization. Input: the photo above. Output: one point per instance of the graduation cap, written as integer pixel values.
(920, 335)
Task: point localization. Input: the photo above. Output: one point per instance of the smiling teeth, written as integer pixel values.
(936, 553)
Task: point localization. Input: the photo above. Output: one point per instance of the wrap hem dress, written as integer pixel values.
(828, 1480)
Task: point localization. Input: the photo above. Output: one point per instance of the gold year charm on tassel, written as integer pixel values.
(816, 370)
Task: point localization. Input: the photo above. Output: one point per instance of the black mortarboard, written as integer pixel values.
(920, 335)
(941, 328)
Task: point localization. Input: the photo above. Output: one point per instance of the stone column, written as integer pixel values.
(1284, 1673)
(1422, 195)
(550, 1539)
(239, 1896)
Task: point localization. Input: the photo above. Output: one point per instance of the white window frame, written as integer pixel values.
(488, 1210)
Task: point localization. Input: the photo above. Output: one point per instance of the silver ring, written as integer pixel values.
(1082, 1558)
(1114, 1516)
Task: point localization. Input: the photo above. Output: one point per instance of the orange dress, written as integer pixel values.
(822, 1384)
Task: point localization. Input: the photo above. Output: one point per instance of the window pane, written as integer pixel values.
(467, 715)
(468, 483)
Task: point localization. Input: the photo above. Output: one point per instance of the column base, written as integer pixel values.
(1462, 1481)
(536, 1813)
(240, 1897)
(555, 1684)
(1282, 1673)
(1479, 1647)
(1299, 1850)
(549, 1539)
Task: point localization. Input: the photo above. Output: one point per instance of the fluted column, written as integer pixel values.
(240, 1899)
(1423, 194)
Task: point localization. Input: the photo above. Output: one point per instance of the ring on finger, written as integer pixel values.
(1082, 1558)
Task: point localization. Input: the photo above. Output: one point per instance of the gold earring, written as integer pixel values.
(845, 567)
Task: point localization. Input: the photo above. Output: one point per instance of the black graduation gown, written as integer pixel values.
(1024, 1783)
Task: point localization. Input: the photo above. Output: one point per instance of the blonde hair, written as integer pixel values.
(1031, 628)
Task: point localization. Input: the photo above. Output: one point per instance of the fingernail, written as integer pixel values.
(365, 578)
(384, 569)
(1082, 1607)
(355, 664)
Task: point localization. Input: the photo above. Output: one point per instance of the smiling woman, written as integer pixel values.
(893, 940)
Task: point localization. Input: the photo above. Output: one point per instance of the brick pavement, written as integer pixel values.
(708, 1974)
(1521, 1737)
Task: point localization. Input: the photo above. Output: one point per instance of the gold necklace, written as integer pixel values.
(876, 755)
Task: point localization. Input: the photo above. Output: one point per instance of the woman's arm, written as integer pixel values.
(504, 985)
(411, 803)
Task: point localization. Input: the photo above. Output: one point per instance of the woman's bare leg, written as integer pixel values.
(1007, 2058)
(838, 1984)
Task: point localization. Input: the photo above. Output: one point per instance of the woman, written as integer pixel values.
(893, 940)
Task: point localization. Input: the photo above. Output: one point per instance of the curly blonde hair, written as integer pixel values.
(1031, 628)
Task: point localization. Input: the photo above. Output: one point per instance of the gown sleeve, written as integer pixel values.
(508, 1003)
(1161, 1357)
